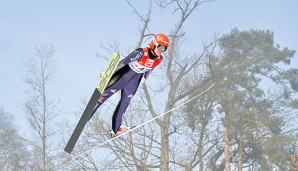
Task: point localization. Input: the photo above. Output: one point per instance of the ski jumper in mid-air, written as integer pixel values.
(128, 75)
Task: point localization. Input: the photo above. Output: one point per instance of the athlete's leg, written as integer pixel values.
(111, 89)
(119, 81)
(126, 94)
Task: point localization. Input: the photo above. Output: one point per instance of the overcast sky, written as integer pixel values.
(76, 28)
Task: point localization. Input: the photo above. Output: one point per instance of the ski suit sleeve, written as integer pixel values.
(135, 55)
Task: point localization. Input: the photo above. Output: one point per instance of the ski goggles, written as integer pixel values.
(162, 48)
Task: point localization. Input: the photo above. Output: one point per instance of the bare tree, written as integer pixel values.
(41, 111)
(13, 152)
(177, 68)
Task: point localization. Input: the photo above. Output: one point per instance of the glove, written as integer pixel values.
(143, 81)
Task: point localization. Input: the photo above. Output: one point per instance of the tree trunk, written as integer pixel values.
(202, 131)
(227, 149)
(188, 168)
(44, 113)
(240, 152)
(164, 157)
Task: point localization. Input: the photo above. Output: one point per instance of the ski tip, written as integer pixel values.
(68, 150)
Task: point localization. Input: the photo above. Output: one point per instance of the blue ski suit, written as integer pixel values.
(127, 78)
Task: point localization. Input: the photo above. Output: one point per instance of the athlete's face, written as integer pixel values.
(158, 52)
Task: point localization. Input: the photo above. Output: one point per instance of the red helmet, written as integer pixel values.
(159, 40)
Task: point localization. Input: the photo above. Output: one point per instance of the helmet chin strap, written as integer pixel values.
(153, 53)
(152, 50)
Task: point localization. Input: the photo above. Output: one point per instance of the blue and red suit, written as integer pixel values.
(127, 78)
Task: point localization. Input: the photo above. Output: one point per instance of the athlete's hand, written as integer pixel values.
(143, 81)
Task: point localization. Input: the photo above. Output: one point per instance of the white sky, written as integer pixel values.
(76, 28)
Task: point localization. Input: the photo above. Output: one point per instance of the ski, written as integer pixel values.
(100, 87)
(136, 127)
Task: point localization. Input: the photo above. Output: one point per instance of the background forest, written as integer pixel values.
(246, 121)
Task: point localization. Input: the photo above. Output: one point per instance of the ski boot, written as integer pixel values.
(120, 130)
